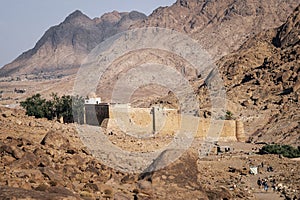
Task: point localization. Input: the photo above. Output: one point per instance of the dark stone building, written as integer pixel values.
(96, 113)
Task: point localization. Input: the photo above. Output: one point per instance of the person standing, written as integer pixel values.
(259, 183)
(266, 187)
(274, 185)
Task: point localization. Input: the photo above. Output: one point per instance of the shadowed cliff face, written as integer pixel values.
(65, 45)
(263, 79)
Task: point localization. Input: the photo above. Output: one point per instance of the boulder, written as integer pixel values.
(17, 153)
(55, 140)
(144, 185)
(52, 175)
(296, 86)
(28, 161)
(286, 75)
(6, 149)
(91, 186)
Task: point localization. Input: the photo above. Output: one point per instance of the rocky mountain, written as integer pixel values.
(263, 79)
(221, 26)
(63, 47)
(213, 23)
(42, 159)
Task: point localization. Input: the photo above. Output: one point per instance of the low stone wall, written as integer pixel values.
(168, 122)
(223, 130)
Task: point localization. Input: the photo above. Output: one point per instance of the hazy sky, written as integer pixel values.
(23, 22)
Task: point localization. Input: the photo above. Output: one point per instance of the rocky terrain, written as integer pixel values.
(221, 26)
(43, 159)
(262, 78)
(213, 23)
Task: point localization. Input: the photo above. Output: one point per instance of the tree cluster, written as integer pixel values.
(70, 108)
(285, 150)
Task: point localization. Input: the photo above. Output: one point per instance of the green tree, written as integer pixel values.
(68, 107)
(63, 108)
(285, 150)
(49, 110)
(35, 106)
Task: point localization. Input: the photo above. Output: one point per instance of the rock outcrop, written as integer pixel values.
(263, 79)
(41, 159)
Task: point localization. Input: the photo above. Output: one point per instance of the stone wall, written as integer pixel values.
(168, 122)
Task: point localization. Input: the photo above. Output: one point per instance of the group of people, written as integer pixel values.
(264, 184)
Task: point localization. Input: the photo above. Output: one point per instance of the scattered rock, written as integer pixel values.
(92, 186)
(17, 153)
(144, 185)
(18, 193)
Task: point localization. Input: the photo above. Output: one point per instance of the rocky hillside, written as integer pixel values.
(63, 47)
(213, 23)
(221, 26)
(263, 79)
(41, 159)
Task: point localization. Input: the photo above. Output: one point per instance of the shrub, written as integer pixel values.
(68, 107)
(35, 106)
(229, 115)
(285, 150)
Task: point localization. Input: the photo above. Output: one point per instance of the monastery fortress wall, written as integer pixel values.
(148, 121)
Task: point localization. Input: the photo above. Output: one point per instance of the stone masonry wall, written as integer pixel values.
(168, 122)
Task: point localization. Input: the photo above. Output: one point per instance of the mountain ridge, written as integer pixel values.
(211, 23)
(220, 19)
(66, 44)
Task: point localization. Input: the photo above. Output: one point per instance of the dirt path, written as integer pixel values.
(261, 194)
(267, 196)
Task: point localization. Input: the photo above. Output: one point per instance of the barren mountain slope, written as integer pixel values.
(221, 26)
(213, 23)
(259, 77)
(218, 26)
(63, 47)
(263, 77)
